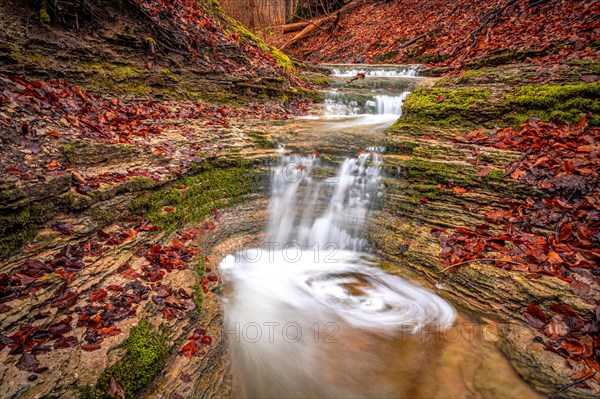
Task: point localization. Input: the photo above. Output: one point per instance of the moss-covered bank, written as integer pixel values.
(143, 355)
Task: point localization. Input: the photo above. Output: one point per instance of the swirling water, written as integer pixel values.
(309, 313)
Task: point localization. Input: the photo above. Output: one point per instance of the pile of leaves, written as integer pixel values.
(571, 336)
(454, 33)
(206, 34)
(556, 235)
(197, 340)
(35, 275)
(104, 306)
(117, 120)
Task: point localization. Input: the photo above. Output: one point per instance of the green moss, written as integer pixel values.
(127, 149)
(14, 53)
(145, 352)
(44, 17)
(426, 174)
(103, 216)
(283, 60)
(9, 193)
(446, 107)
(382, 58)
(568, 102)
(75, 201)
(196, 196)
(504, 57)
(200, 273)
(302, 93)
(317, 80)
(19, 228)
(139, 183)
(261, 139)
(68, 150)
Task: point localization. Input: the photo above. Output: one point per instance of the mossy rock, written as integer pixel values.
(445, 107)
(19, 228)
(215, 186)
(567, 102)
(144, 355)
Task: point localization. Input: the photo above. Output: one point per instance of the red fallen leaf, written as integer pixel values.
(115, 389)
(484, 172)
(534, 316)
(188, 349)
(565, 231)
(168, 209)
(554, 258)
(52, 164)
(98, 295)
(64, 228)
(584, 233)
(436, 232)
(109, 331)
(60, 328)
(131, 274)
(424, 201)
(65, 342)
(168, 313)
(52, 133)
(440, 98)
(90, 347)
(114, 287)
(459, 190)
(494, 217)
(28, 362)
(564, 310)
(574, 348)
(568, 167)
(64, 298)
(579, 288)
(556, 328)
(206, 340)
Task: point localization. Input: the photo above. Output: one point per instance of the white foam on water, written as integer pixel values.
(380, 73)
(312, 273)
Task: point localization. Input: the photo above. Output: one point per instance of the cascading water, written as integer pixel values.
(382, 73)
(309, 314)
(388, 106)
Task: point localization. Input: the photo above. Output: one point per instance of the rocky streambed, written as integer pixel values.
(174, 344)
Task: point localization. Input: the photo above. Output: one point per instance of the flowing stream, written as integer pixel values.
(309, 313)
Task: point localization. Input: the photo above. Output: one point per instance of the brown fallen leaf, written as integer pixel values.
(484, 172)
(115, 389)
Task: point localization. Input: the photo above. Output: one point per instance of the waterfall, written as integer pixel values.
(297, 303)
(310, 209)
(339, 103)
(380, 73)
(309, 314)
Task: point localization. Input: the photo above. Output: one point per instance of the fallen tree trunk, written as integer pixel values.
(295, 27)
(318, 24)
(322, 23)
(408, 43)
